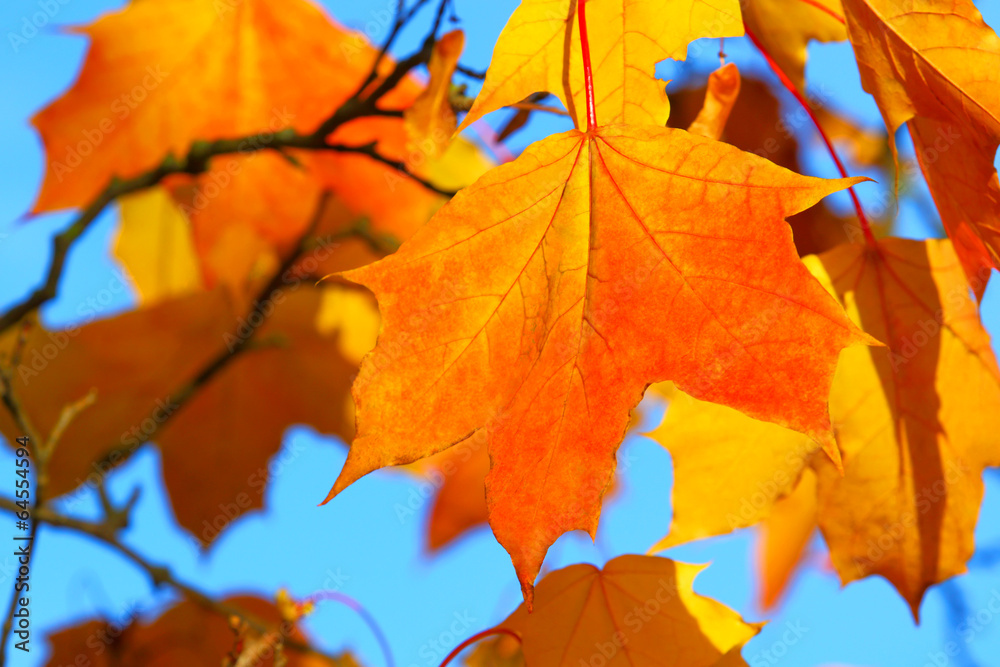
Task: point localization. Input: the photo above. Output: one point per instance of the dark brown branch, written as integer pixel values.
(469, 72)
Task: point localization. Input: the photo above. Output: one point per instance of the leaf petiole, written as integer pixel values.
(588, 72)
(787, 83)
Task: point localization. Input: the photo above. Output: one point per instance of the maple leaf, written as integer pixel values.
(741, 464)
(184, 634)
(539, 50)
(637, 609)
(924, 417)
(916, 422)
(246, 210)
(616, 258)
(732, 472)
(138, 361)
(936, 67)
(460, 503)
(128, 109)
(270, 195)
(210, 235)
(786, 28)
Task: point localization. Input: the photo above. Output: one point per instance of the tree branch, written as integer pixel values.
(469, 72)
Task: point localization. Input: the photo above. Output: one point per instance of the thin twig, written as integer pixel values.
(66, 417)
(364, 105)
(400, 19)
(791, 88)
(469, 72)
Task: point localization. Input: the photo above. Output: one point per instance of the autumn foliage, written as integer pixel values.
(324, 231)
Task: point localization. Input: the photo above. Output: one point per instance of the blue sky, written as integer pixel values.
(358, 543)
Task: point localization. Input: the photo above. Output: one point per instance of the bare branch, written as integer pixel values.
(469, 72)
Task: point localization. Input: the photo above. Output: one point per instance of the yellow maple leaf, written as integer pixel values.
(539, 51)
(916, 422)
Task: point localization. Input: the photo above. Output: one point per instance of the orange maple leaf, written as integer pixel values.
(128, 109)
(460, 503)
(92, 136)
(634, 608)
(617, 258)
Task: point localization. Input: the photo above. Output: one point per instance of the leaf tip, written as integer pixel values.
(330, 496)
(829, 444)
(528, 593)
